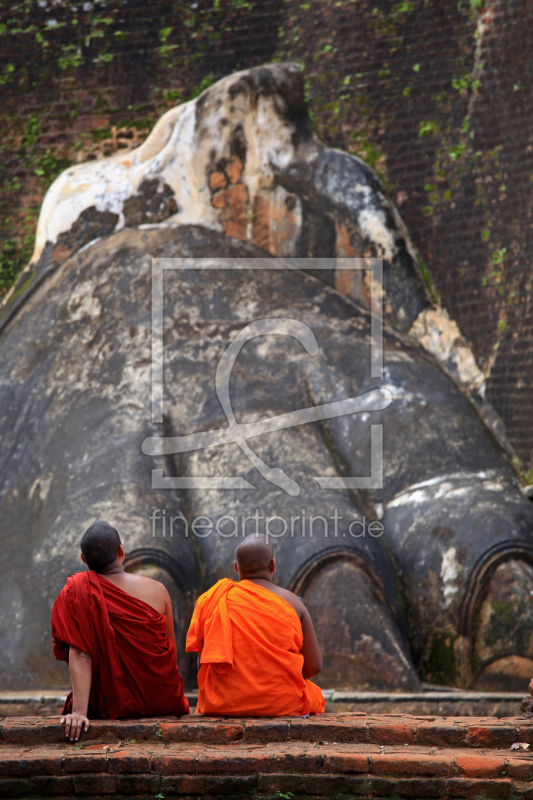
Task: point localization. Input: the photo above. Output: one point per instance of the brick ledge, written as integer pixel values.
(356, 727)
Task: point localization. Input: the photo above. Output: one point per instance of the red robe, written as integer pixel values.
(134, 670)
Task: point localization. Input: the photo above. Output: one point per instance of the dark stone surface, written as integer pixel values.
(91, 224)
(75, 409)
(337, 186)
(345, 208)
(153, 202)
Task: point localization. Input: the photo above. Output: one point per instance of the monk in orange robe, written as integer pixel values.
(116, 633)
(256, 643)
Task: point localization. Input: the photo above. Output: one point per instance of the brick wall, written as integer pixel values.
(350, 755)
(435, 95)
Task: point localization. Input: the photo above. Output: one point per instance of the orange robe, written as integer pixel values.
(249, 641)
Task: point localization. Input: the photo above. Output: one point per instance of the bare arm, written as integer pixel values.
(310, 649)
(170, 620)
(80, 665)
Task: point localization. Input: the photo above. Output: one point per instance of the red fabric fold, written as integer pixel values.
(133, 660)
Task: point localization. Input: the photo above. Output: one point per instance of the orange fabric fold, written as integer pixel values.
(249, 640)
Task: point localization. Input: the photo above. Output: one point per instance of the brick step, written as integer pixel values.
(243, 770)
(358, 727)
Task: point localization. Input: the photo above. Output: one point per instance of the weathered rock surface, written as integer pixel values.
(243, 159)
(76, 380)
(75, 409)
(446, 585)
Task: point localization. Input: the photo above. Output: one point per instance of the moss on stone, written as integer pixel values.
(439, 665)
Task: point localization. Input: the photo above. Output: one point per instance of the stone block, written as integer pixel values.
(205, 732)
(416, 764)
(480, 766)
(396, 733)
(266, 730)
(138, 784)
(491, 736)
(174, 763)
(207, 784)
(95, 784)
(436, 735)
(128, 761)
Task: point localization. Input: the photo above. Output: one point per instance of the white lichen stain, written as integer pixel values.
(373, 224)
(444, 486)
(42, 485)
(492, 486)
(449, 572)
(82, 302)
(441, 337)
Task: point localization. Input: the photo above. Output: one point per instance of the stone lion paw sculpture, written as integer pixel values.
(439, 589)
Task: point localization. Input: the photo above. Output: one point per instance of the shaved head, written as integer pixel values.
(99, 545)
(254, 554)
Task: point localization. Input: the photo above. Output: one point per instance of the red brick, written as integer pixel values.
(382, 787)
(463, 787)
(520, 768)
(346, 762)
(327, 785)
(297, 761)
(205, 732)
(174, 764)
(90, 762)
(391, 734)
(320, 729)
(525, 734)
(217, 180)
(19, 733)
(280, 783)
(232, 216)
(24, 764)
(112, 730)
(405, 787)
(491, 736)
(128, 761)
(426, 765)
(422, 787)
(440, 735)
(99, 122)
(15, 787)
(241, 762)
(218, 199)
(48, 785)
(52, 732)
(231, 762)
(138, 784)
(266, 730)
(234, 170)
(95, 784)
(208, 784)
(482, 766)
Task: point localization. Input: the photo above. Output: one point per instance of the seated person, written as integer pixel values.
(256, 643)
(115, 631)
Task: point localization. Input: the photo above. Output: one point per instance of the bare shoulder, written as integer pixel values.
(150, 585)
(148, 582)
(143, 588)
(290, 598)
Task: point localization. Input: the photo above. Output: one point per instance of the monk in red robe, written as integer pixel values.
(115, 631)
(256, 643)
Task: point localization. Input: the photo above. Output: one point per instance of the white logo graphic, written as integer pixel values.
(238, 433)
